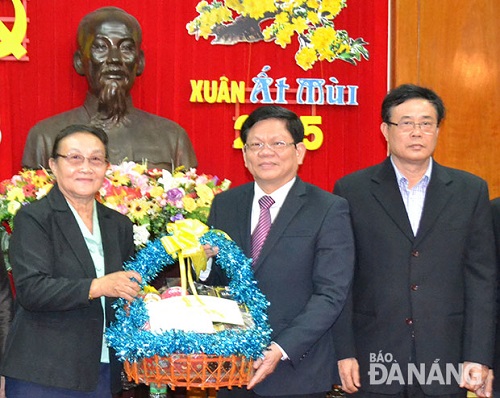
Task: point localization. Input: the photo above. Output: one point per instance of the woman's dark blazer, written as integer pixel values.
(56, 334)
(5, 304)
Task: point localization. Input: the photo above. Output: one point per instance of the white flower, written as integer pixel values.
(141, 235)
(41, 193)
(167, 180)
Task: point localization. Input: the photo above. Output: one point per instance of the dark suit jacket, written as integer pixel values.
(5, 304)
(438, 286)
(495, 205)
(304, 269)
(56, 334)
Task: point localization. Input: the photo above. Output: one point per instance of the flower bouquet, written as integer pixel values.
(151, 198)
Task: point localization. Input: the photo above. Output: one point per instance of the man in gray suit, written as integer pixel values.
(305, 264)
(423, 297)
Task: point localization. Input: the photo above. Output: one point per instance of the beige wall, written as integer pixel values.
(453, 47)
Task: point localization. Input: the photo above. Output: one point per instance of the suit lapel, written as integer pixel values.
(385, 189)
(244, 207)
(293, 203)
(67, 223)
(437, 195)
(109, 239)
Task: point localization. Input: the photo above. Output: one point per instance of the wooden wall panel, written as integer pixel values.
(453, 47)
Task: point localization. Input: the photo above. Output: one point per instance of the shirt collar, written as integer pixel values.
(278, 196)
(401, 178)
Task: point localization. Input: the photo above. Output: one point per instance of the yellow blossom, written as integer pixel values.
(138, 209)
(40, 181)
(205, 194)
(189, 203)
(140, 168)
(326, 54)
(235, 5)
(178, 174)
(300, 24)
(268, 33)
(313, 4)
(113, 201)
(223, 14)
(322, 38)
(306, 57)
(13, 207)
(282, 18)
(332, 6)
(313, 17)
(201, 5)
(15, 194)
(118, 179)
(284, 36)
(257, 9)
(157, 191)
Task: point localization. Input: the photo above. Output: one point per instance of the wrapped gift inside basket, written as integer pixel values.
(180, 357)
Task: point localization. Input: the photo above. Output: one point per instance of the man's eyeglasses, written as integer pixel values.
(278, 146)
(75, 159)
(408, 126)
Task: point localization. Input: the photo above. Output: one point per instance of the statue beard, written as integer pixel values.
(112, 105)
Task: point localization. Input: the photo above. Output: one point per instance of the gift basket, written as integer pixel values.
(155, 352)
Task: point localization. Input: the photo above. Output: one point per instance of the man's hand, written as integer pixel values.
(487, 390)
(266, 365)
(477, 379)
(2, 387)
(349, 375)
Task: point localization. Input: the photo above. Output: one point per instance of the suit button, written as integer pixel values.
(415, 253)
(409, 321)
(414, 287)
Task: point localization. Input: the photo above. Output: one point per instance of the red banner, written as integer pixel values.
(205, 87)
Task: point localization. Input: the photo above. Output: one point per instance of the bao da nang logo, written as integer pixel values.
(384, 369)
(12, 39)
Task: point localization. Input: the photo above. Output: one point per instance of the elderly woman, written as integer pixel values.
(67, 252)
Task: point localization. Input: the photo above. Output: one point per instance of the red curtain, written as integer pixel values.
(47, 84)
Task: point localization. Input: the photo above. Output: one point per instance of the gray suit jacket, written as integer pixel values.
(56, 334)
(429, 296)
(304, 269)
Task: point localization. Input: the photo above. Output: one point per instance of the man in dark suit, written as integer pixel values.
(423, 293)
(305, 264)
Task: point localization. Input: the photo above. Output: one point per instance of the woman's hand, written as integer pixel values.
(124, 284)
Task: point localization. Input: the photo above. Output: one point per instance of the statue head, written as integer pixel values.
(109, 55)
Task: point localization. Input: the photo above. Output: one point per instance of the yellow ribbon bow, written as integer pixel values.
(184, 244)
